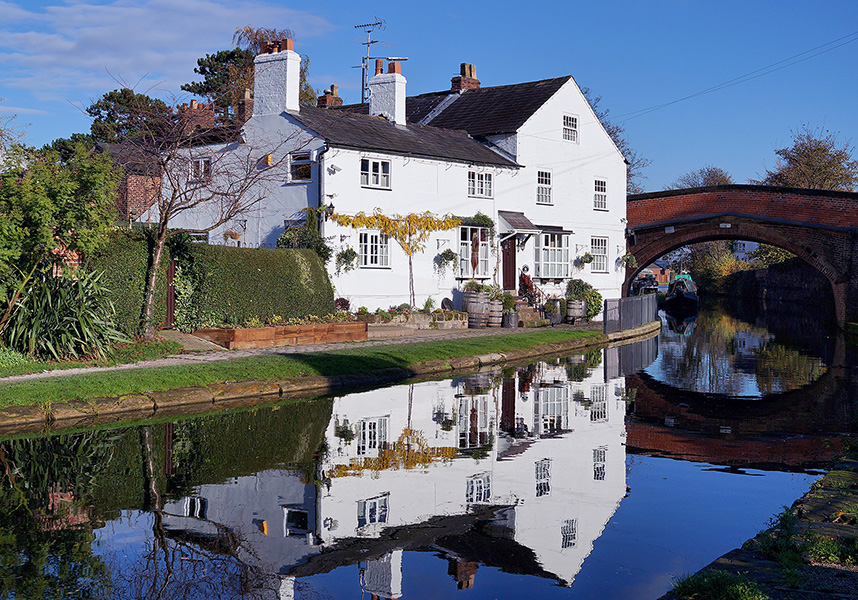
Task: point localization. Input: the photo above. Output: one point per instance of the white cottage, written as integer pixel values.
(532, 157)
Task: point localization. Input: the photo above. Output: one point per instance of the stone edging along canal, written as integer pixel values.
(16, 420)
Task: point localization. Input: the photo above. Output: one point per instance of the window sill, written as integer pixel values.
(602, 209)
(376, 267)
(544, 204)
(480, 197)
(373, 187)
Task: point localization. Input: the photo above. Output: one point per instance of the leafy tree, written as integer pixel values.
(226, 74)
(766, 256)
(410, 231)
(124, 114)
(816, 160)
(635, 163)
(65, 147)
(702, 177)
(9, 136)
(255, 38)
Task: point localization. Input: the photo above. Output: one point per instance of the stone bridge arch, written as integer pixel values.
(820, 227)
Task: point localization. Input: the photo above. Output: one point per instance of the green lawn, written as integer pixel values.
(360, 359)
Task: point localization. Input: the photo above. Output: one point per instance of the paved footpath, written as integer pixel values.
(197, 350)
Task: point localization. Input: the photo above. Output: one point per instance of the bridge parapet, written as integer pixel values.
(819, 226)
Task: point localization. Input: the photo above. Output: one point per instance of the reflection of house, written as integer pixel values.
(532, 157)
(543, 466)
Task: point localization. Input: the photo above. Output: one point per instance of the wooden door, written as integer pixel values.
(508, 264)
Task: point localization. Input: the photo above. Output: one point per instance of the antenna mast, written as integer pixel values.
(364, 61)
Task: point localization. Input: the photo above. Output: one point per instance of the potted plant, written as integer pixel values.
(510, 311)
(551, 310)
(586, 258)
(446, 260)
(346, 260)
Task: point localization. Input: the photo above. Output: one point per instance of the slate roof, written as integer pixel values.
(488, 110)
(517, 220)
(481, 112)
(346, 129)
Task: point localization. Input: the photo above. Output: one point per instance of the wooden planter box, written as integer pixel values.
(288, 335)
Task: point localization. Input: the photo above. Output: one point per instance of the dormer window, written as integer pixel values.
(570, 128)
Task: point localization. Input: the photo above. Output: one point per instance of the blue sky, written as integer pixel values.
(58, 56)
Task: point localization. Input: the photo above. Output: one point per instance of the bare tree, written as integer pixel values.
(702, 177)
(209, 178)
(635, 163)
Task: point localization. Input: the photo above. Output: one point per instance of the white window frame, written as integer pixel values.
(569, 533)
(599, 403)
(372, 436)
(599, 250)
(553, 409)
(466, 240)
(201, 169)
(570, 128)
(600, 194)
(373, 510)
(599, 456)
(480, 185)
(300, 161)
(293, 529)
(543, 188)
(196, 507)
(373, 250)
(478, 489)
(375, 173)
(542, 470)
(552, 256)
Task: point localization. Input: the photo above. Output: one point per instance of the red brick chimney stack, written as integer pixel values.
(331, 98)
(467, 78)
(196, 116)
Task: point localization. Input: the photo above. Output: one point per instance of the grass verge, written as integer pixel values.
(717, 585)
(271, 367)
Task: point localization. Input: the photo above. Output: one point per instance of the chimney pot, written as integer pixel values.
(288, 44)
(394, 67)
(379, 66)
(335, 90)
(193, 104)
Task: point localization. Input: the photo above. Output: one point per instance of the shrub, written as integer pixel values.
(342, 304)
(231, 286)
(578, 289)
(60, 317)
(124, 264)
(717, 585)
(13, 358)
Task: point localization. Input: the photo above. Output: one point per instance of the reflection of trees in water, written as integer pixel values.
(728, 356)
(46, 536)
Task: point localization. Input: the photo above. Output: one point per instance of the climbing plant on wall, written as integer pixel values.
(410, 231)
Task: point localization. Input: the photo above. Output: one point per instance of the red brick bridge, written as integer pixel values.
(819, 226)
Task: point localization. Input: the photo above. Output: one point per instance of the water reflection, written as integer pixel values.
(521, 471)
(721, 354)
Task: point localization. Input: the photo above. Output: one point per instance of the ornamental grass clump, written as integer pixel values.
(61, 317)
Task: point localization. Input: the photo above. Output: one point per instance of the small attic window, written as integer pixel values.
(570, 128)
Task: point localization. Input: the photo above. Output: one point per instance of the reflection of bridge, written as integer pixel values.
(801, 427)
(819, 226)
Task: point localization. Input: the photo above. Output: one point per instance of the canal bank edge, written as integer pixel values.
(17, 420)
(828, 509)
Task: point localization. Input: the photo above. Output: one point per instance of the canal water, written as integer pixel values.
(602, 476)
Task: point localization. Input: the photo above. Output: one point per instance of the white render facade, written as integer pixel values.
(543, 170)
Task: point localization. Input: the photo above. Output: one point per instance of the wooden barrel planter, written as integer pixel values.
(495, 313)
(475, 302)
(575, 310)
(477, 320)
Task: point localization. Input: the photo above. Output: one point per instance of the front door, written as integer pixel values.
(508, 262)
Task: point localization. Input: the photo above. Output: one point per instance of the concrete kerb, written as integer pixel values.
(194, 400)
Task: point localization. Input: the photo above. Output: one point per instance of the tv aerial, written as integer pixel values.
(377, 25)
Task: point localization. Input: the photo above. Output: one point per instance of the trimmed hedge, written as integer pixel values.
(222, 285)
(125, 262)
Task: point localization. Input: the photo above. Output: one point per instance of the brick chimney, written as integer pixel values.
(467, 78)
(387, 93)
(245, 108)
(331, 98)
(196, 116)
(276, 79)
